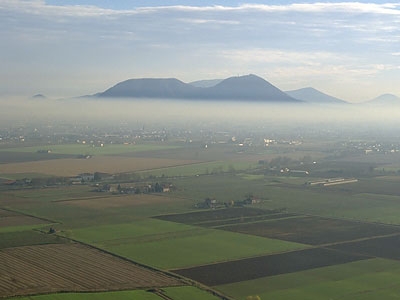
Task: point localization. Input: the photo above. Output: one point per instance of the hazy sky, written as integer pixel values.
(350, 50)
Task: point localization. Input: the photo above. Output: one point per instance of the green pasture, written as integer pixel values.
(55, 193)
(365, 200)
(91, 149)
(202, 246)
(174, 293)
(26, 238)
(120, 233)
(251, 176)
(70, 215)
(170, 245)
(366, 279)
(188, 292)
(7, 229)
(365, 207)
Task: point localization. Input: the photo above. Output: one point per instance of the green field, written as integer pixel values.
(28, 237)
(128, 231)
(168, 245)
(368, 279)
(188, 292)
(174, 293)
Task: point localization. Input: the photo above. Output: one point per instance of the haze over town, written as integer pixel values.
(349, 50)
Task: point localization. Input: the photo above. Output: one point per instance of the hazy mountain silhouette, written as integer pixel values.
(151, 88)
(39, 96)
(249, 87)
(385, 99)
(312, 95)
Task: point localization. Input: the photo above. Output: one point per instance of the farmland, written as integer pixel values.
(230, 221)
(63, 267)
(74, 166)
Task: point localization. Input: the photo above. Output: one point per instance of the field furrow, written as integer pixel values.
(71, 267)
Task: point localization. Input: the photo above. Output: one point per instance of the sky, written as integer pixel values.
(350, 50)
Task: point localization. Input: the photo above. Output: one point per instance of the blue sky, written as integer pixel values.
(350, 50)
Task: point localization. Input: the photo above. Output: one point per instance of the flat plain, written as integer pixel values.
(230, 226)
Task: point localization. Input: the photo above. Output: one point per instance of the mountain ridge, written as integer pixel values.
(237, 88)
(248, 87)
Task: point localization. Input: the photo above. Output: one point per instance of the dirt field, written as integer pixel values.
(313, 230)
(385, 247)
(284, 226)
(71, 267)
(253, 268)
(120, 201)
(104, 164)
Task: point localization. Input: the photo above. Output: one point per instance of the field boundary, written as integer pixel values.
(185, 280)
(30, 215)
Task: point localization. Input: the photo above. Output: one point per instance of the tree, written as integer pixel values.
(158, 188)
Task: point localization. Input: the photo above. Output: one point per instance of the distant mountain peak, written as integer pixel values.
(385, 99)
(312, 95)
(150, 88)
(39, 96)
(250, 87)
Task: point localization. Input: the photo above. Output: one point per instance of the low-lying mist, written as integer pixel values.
(152, 111)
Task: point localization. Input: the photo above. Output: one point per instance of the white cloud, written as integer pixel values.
(40, 7)
(307, 40)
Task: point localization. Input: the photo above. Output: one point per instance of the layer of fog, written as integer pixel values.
(147, 111)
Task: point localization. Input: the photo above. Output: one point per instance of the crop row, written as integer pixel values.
(71, 267)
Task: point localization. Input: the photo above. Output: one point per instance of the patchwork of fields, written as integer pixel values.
(293, 242)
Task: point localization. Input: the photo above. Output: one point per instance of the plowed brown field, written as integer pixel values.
(71, 267)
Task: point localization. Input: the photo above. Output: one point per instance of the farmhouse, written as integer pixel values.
(332, 181)
(86, 176)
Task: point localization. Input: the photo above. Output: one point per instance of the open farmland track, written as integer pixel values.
(72, 267)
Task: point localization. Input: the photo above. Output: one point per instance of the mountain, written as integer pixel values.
(385, 99)
(312, 95)
(151, 88)
(39, 96)
(249, 87)
(205, 83)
